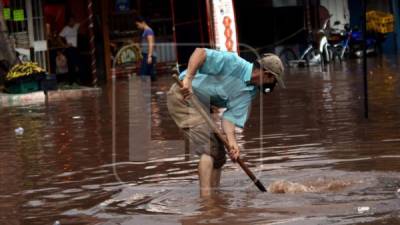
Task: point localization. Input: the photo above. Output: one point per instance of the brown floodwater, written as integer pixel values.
(118, 158)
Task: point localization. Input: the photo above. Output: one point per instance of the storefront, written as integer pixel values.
(110, 47)
(34, 27)
(24, 23)
(57, 14)
(180, 26)
(122, 38)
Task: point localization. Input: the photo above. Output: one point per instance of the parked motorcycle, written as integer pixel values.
(349, 42)
(357, 43)
(339, 41)
(317, 51)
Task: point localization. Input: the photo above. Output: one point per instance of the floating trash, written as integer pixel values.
(108, 202)
(159, 93)
(57, 223)
(19, 131)
(363, 209)
(76, 117)
(35, 203)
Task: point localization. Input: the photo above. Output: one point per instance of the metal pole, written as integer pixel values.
(172, 4)
(92, 43)
(200, 17)
(365, 68)
(318, 6)
(392, 6)
(210, 24)
(308, 16)
(29, 16)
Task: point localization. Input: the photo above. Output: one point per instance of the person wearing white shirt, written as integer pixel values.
(70, 34)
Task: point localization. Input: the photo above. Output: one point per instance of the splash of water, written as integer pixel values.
(319, 185)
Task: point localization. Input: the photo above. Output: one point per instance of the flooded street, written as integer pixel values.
(91, 161)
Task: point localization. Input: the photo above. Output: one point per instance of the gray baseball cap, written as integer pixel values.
(273, 64)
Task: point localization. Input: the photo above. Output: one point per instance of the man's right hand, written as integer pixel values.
(187, 90)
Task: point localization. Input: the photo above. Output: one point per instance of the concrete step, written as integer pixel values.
(12, 100)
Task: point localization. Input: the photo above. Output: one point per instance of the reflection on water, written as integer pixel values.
(320, 158)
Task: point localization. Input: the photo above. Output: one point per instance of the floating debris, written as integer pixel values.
(108, 202)
(19, 131)
(363, 209)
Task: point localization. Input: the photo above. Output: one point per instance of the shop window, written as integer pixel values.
(15, 17)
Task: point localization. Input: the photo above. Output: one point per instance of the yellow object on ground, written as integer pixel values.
(24, 69)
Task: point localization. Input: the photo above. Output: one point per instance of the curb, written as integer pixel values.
(61, 95)
(12, 100)
(8, 100)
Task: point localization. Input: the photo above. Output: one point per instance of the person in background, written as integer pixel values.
(70, 35)
(61, 64)
(147, 67)
(4, 68)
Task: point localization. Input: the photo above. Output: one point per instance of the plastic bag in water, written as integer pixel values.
(363, 209)
(19, 131)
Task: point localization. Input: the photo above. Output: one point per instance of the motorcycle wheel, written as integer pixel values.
(327, 55)
(313, 57)
(336, 53)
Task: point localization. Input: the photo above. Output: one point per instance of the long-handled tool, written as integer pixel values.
(196, 104)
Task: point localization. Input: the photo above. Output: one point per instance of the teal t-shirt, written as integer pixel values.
(223, 81)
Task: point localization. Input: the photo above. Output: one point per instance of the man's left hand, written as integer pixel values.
(149, 60)
(234, 151)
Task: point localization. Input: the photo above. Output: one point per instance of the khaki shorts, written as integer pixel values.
(195, 129)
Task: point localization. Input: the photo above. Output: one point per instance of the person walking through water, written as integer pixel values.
(219, 80)
(147, 67)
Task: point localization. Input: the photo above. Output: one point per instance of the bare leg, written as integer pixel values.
(205, 174)
(215, 178)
